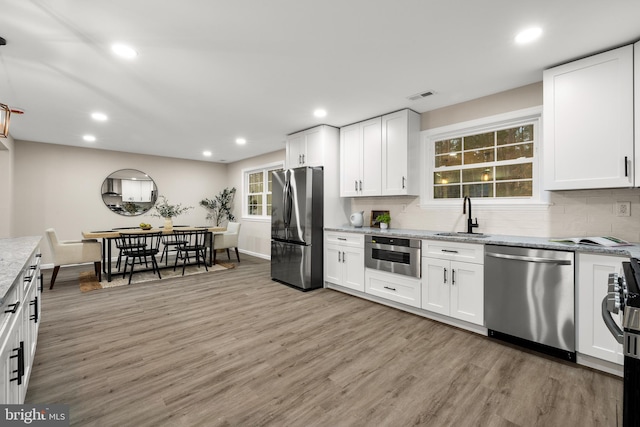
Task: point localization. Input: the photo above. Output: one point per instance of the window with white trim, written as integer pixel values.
(491, 160)
(257, 191)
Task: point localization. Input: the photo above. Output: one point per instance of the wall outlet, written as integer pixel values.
(623, 208)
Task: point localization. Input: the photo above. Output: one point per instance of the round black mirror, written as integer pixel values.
(129, 192)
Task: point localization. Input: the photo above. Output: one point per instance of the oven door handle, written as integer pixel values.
(611, 324)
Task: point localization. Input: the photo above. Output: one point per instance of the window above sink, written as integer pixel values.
(493, 159)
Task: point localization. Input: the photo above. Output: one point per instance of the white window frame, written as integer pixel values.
(245, 190)
(532, 115)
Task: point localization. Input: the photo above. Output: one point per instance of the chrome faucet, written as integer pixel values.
(470, 224)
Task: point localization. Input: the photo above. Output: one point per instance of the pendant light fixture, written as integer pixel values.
(5, 113)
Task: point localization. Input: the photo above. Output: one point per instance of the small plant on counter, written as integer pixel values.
(167, 211)
(384, 218)
(220, 206)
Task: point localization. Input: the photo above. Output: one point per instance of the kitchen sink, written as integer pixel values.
(462, 234)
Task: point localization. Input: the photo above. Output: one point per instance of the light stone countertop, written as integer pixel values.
(496, 239)
(15, 254)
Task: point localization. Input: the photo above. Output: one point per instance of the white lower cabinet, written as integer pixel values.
(594, 339)
(394, 287)
(19, 323)
(344, 260)
(451, 287)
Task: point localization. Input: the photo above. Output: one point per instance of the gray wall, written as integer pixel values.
(59, 186)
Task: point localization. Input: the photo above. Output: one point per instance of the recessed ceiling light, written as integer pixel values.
(207, 153)
(89, 138)
(124, 51)
(528, 35)
(101, 117)
(241, 141)
(320, 112)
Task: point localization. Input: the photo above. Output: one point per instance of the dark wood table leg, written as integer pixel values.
(109, 261)
(104, 256)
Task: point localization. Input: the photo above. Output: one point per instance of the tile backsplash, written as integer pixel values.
(569, 214)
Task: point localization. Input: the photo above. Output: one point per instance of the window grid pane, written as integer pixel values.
(259, 188)
(495, 160)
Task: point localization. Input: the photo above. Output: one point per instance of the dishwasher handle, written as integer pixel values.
(530, 259)
(611, 324)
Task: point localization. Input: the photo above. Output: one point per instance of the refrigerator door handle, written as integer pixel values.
(288, 207)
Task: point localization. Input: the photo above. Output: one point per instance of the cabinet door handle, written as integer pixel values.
(338, 256)
(626, 164)
(445, 276)
(453, 276)
(390, 288)
(34, 304)
(360, 185)
(303, 159)
(403, 180)
(356, 182)
(343, 260)
(41, 278)
(20, 356)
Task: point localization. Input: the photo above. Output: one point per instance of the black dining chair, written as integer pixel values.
(141, 248)
(121, 245)
(194, 244)
(170, 243)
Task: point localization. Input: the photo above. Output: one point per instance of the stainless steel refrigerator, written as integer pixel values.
(296, 227)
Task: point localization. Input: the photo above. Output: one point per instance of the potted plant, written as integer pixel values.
(168, 211)
(220, 206)
(384, 220)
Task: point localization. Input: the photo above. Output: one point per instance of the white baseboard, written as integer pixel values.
(255, 254)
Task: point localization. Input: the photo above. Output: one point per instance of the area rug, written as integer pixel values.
(89, 281)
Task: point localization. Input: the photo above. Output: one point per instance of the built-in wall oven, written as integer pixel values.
(394, 254)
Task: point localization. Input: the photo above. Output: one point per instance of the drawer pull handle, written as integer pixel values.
(449, 251)
(14, 309)
(390, 288)
(342, 238)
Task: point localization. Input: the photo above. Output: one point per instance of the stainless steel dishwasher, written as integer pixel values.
(529, 298)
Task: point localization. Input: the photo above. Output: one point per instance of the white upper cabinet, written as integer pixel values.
(360, 158)
(307, 148)
(400, 153)
(588, 122)
(380, 156)
(136, 191)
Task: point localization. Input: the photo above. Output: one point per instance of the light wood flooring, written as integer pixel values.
(236, 349)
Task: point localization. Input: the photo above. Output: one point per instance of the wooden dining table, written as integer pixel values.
(107, 236)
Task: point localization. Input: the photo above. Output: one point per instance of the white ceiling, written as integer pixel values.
(209, 71)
